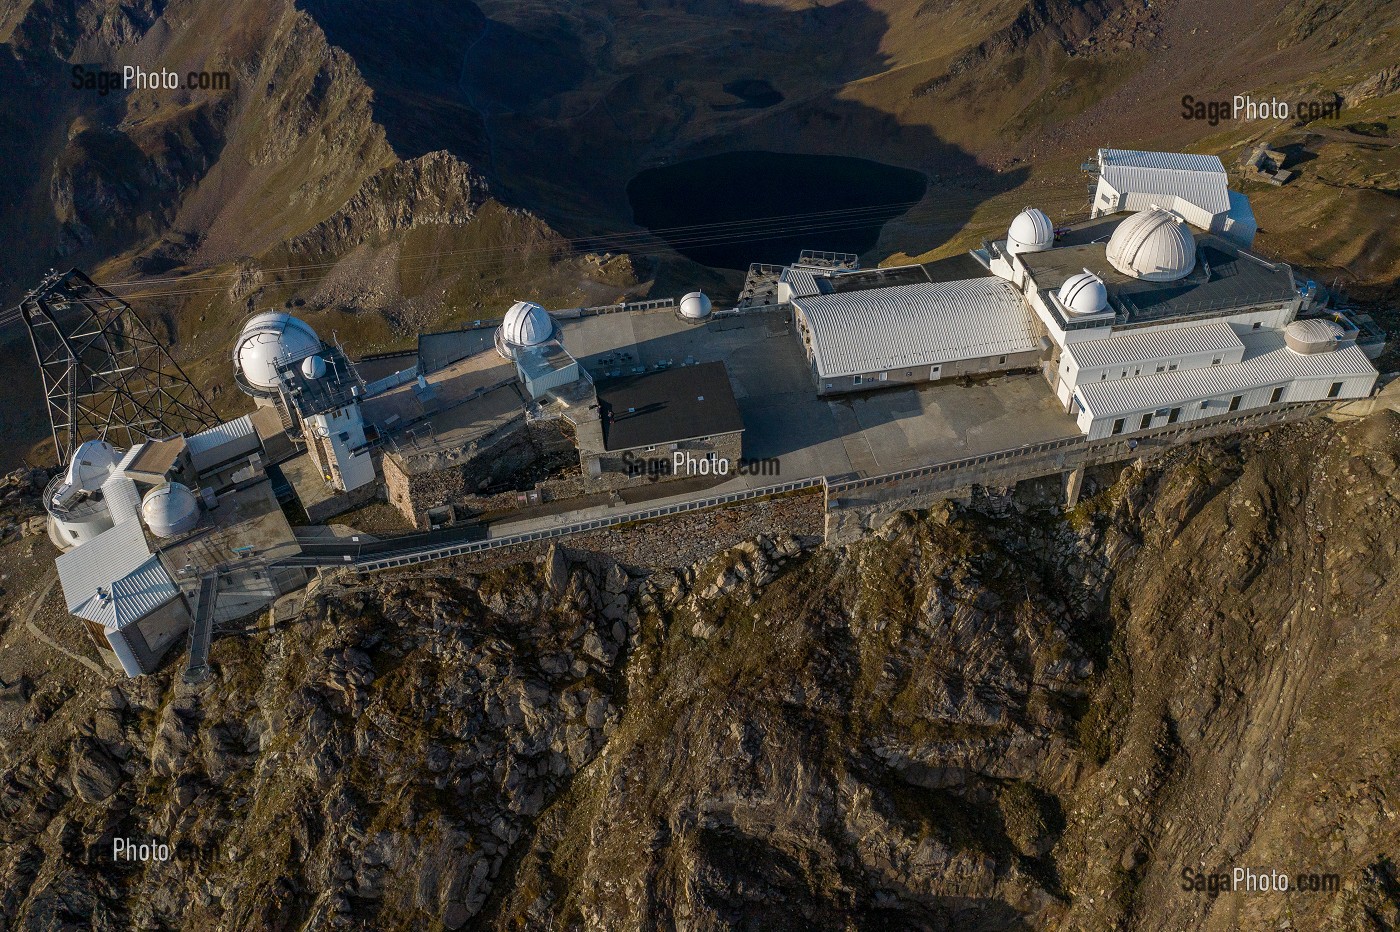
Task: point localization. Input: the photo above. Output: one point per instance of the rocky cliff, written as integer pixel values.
(991, 716)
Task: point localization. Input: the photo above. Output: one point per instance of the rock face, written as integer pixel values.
(989, 717)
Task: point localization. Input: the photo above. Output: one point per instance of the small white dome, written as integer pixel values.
(695, 306)
(170, 510)
(1306, 337)
(1153, 245)
(1084, 294)
(313, 367)
(1031, 231)
(266, 340)
(526, 324)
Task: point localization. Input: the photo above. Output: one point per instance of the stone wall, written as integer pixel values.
(418, 483)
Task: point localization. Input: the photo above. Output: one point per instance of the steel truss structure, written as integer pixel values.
(105, 374)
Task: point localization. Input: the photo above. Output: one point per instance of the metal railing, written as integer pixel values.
(1062, 454)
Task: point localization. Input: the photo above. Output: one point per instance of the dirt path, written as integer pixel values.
(33, 608)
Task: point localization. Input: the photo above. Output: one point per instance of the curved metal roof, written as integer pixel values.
(858, 332)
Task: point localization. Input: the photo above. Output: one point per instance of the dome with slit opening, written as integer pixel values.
(1153, 245)
(1031, 231)
(1084, 293)
(695, 306)
(268, 339)
(525, 324)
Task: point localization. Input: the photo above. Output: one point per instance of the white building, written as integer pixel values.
(1194, 187)
(125, 597)
(917, 332)
(1152, 319)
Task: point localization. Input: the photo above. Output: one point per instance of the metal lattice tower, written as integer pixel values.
(105, 374)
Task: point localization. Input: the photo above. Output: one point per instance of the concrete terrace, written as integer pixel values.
(860, 435)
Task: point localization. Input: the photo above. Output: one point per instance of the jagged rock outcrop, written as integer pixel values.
(990, 716)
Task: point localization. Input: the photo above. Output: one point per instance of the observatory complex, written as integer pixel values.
(1148, 315)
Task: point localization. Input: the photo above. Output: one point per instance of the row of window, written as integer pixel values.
(1174, 414)
(908, 373)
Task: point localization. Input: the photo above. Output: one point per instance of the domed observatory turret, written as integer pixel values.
(267, 340)
(77, 509)
(1309, 337)
(1083, 294)
(170, 510)
(1031, 231)
(1153, 245)
(525, 324)
(695, 307)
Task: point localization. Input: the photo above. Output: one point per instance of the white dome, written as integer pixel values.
(695, 306)
(170, 509)
(1031, 231)
(267, 339)
(313, 367)
(1154, 245)
(526, 324)
(1084, 294)
(1307, 337)
(92, 462)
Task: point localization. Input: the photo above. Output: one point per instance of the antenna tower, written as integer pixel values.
(105, 375)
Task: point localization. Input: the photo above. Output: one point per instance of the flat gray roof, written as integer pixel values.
(667, 406)
(1225, 277)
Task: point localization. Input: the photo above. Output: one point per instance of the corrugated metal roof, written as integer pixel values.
(208, 448)
(914, 325)
(1197, 179)
(119, 563)
(1154, 345)
(801, 281)
(1178, 161)
(123, 501)
(235, 429)
(1274, 364)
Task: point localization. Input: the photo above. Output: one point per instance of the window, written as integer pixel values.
(1217, 360)
(1335, 390)
(1118, 426)
(1161, 368)
(1174, 416)
(884, 376)
(1103, 376)
(1256, 326)
(1235, 402)
(1001, 360)
(1124, 375)
(1171, 368)
(1146, 422)
(1137, 371)
(856, 380)
(1205, 404)
(1277, 396)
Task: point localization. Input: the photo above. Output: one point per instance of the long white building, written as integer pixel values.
(1154, 320)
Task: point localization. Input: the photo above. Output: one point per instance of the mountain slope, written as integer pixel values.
(988, 717)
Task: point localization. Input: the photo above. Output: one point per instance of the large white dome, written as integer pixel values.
(266, 340)
(1031, 231)
(526, 324)
(1154, 245)
(170, 509)
(695, 306)
(1084, 294)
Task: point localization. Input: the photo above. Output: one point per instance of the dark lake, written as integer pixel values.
(729, 210)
